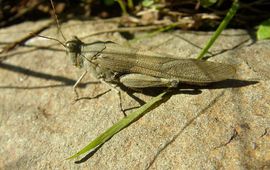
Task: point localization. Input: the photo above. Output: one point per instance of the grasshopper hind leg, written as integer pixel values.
(118, 92)
(136, 80)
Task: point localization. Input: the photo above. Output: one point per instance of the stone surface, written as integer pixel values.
(226, 126)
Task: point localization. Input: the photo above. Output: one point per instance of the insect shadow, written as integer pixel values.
(181, 89)
(187, 89)
(64, 80)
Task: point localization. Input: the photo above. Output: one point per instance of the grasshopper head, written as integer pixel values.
(73, 47)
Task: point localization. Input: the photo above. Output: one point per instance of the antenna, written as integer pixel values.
(57, 22)
(50, 38)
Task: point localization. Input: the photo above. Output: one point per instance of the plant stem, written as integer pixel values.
(221, 27)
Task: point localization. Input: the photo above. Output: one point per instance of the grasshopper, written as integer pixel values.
(134, 68)
(113, 64)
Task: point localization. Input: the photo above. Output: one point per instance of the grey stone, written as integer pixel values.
(220, 128)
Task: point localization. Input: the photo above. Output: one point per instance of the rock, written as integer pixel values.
(226, 125)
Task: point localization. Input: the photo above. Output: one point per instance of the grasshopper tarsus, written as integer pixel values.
(120, 104)
(90, 98)
(76, 93)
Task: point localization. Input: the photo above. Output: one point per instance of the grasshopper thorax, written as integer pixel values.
(73, 48)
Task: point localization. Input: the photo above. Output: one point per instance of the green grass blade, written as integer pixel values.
(221, 27)
(130, 4)
(264, 30)
(122, 6)
(119, 125)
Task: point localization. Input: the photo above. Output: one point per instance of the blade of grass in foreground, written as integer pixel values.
(121, 124)
(230, 14)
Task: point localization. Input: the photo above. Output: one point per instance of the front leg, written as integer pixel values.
(76, 84)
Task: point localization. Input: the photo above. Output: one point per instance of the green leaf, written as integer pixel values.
(147, 3)
(101, 139)
(264, 30)
(108, 2)
(207, 3)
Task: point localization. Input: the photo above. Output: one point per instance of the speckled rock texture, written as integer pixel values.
(225, 125)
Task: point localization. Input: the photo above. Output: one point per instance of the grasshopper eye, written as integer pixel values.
(73, 46)
(74, 50)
